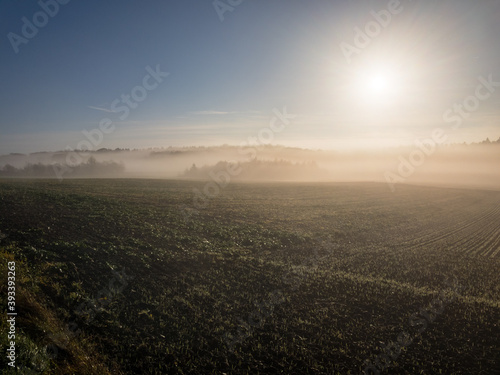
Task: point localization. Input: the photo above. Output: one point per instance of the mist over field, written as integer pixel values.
(474, 165)
(250, 187)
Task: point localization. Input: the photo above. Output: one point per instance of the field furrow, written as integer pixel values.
(476, 237)
(465, 226)
(481, 240)
(490, 245)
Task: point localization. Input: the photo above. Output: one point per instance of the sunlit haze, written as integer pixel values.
(250, 187)
(356, 75)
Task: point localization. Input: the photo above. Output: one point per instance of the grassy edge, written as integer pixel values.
(44, 343)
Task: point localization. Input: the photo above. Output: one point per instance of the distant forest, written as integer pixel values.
(455, 163)
(91, 168)
(267, 170)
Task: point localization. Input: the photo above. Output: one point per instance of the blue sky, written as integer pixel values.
(226, 77)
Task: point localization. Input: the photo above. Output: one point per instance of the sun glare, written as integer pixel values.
(379, 83)
(376, 86)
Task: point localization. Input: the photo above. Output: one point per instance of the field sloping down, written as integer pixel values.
(129, 276)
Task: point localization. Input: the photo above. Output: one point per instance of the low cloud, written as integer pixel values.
(101, 109)
(211, 113)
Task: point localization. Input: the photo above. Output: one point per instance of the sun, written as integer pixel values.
(380, 83)
(376, 86)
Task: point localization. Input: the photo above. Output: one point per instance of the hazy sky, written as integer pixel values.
(231, 67)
